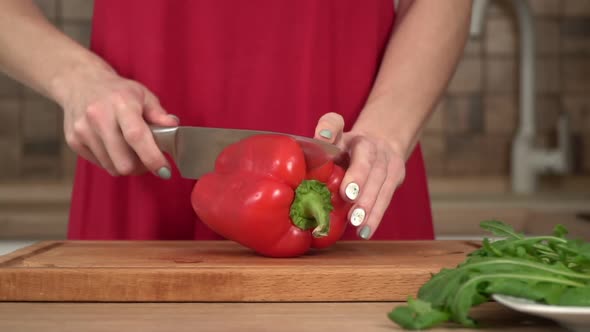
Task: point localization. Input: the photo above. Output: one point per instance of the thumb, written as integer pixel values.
(330, 127)
(155, 114)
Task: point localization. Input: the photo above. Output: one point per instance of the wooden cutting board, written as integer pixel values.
(221, 271)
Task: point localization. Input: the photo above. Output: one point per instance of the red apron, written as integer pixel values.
(259, 64)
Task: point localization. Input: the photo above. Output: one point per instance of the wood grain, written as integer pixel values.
(216, 271)
(287, 317)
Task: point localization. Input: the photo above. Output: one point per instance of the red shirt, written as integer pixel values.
(260, 64)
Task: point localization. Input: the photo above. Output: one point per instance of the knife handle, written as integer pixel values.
(165, 138)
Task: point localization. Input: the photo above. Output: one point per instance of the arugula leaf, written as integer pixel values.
(575, 297)
(417, 315)
(560, 231)
(549, 269)
(500, 229)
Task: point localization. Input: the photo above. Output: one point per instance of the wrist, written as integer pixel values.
(397, 134)
(73, 73)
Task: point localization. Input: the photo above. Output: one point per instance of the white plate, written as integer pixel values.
(573, 318)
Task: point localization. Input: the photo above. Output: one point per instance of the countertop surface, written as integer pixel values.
(299, 317)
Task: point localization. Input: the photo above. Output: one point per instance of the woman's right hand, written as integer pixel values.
(106, 122)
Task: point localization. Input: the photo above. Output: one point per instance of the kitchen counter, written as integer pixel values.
(178, 317)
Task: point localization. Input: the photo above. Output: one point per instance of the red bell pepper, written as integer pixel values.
(264, 195)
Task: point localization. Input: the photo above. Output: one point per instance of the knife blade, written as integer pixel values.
(195, 149)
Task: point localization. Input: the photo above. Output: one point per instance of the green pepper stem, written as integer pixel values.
(311, 207)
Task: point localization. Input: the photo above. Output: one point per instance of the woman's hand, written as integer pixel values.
(106, 121)
(376, 169)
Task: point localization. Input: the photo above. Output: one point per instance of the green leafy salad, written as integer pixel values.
(549, 269)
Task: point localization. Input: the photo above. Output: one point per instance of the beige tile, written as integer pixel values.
(435, 123)
(501, 36)
(80, 32)
(496, 149)
(547, 36)
(575, 46)
(42, 120)
(548, 109)
(501, 74)
(467, 78)
(463, 114)
(433, 151)
(548, 75)
(545, 7)
(465, 165)
(585, 154)
(499, 9)
(576, 74)
(574, 36)
(578, 109)
(464, 154)
(576, 7)
(77, 9)
(501, 114)
(10, 110)
(68, 162)
(473, 47)
(9, 87)
(48, 7)
(10, 149)
(44, 168)
(433, 145)
(41, 160)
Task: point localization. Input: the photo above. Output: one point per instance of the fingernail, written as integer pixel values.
(164, 173)
(352, 191)
(175, 117)
(325, 133)
(365, 232)
(357, 216)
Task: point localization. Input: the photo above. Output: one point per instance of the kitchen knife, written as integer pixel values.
(195, 149)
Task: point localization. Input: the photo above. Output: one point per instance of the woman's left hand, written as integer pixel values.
(376, 169)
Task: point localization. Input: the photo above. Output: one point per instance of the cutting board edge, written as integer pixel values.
(28, 251)
(243, 286)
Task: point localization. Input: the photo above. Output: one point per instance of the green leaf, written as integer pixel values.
(550, 269)
(417, 315)
(560, 231)
(498, 228)
(489, 248)
(575, 297)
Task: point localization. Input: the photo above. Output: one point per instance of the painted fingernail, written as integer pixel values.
(164, 173)
(365, 232)
(352, 191)
(357, 216)
(325, 133)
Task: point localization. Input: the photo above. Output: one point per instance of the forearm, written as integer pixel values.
(419, 60)
(36, 53)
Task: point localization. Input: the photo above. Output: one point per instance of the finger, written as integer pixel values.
(395, 175)
(85, 153)
(88, 138)
(138, 135)
(330, 127)
(362, 210)
(362, 156)
(154, 113)
(104, 123)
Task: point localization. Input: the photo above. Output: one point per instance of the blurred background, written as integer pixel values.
(510, 139)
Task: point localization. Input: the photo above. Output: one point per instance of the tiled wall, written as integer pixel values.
(31, 137)
(469, 134)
